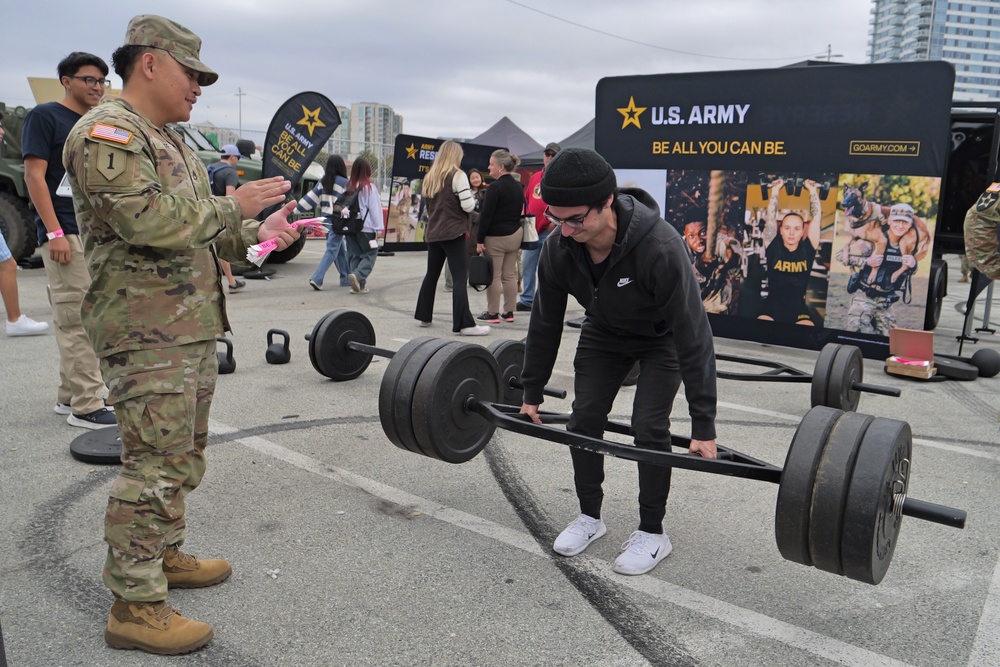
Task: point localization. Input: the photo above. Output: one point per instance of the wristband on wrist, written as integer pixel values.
(56, 234)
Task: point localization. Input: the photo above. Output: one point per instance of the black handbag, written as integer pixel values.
(480, 272)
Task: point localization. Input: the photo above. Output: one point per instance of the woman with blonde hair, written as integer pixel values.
(449, 202)
(500, 234)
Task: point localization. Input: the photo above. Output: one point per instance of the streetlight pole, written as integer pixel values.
(240, 95)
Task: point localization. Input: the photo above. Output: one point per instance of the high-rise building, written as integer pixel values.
(373, 124)
(966, 34)
(340, 142)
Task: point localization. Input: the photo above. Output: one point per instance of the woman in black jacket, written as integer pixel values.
(500, 234)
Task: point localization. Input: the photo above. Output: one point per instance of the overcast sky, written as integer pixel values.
(449, 67)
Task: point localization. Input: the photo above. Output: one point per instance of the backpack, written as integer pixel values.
(212, 171)
(347, 216)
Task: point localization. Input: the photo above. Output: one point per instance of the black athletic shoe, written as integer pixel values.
(99, 418)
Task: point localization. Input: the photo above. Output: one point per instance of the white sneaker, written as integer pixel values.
(425, 324)
(642, 551)
(355, 283)
(25, 326)
(66, 409)
(578, 535)
(478, 330)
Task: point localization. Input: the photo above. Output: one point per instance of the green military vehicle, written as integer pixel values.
(17, 221)
(17, 216)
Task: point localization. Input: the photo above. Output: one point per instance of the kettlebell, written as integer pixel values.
(277, 353)
(227, 364)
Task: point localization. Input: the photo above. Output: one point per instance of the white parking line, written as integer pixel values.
(986, 647)
(739, 617)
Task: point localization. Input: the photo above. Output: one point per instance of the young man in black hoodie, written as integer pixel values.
(628, 268)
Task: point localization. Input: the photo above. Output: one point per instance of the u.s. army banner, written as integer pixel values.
(807, 196)
(296, 135)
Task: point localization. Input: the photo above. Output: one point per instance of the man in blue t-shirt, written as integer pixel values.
(81, 389)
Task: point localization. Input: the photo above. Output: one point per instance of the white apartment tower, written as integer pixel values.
(373, 124)
(966, 34)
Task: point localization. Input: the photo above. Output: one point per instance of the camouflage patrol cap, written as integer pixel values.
(160, 33)
(901, 212)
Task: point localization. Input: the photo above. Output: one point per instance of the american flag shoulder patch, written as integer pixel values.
(111, 133)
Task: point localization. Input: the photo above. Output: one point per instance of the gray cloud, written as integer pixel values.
(450, 67)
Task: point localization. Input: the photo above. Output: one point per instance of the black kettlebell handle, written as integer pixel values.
(227, 364)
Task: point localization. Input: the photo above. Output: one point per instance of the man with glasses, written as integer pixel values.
(535, 207)
(81, 390)
(628, 268)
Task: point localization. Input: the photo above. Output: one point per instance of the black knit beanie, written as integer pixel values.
(577, 177)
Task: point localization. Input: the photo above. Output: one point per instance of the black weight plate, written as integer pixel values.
(833, 479)
(387, 389)
(313, 359)
(791, 515)
(510, 358)
(954, 369)
(339, 362)
(848, 368)
(442, 425)
(402, 405)
(101, 445)
(870, 529)
(821, 374)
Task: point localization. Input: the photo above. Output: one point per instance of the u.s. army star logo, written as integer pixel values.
(631, 114)
(987, 200)
(311, 119)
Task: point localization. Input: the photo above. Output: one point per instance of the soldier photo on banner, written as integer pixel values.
(881, 252)
(706, 208)
(786, 245)
(405, 207)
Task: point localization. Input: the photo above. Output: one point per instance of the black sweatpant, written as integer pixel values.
(601, 364)
(437, 252)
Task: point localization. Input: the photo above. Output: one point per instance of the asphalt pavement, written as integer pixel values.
(347, 550)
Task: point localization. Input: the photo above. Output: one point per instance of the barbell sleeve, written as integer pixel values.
(875, 389)
(921, 509)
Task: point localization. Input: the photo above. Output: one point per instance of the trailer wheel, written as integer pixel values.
(937, 289)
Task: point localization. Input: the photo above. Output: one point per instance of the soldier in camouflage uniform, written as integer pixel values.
(871, 310)
(982, 227)
(153, 234)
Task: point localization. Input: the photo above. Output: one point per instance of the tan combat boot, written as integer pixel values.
(154, 627)
(184, 571)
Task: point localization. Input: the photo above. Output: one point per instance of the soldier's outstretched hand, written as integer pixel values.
(255, 196)
(276, 227)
